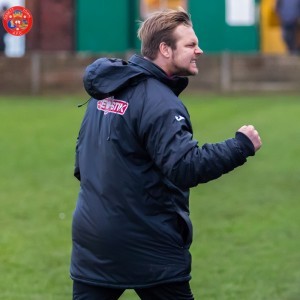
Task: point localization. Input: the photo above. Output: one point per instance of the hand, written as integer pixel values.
(252, 134)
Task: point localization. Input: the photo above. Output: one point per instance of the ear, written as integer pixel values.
(165, 50)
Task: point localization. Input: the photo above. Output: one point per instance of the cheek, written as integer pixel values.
(182, 57)
(186, 58)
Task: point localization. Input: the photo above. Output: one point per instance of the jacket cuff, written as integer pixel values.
(245, 144)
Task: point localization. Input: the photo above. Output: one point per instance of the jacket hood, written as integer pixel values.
(106, 76)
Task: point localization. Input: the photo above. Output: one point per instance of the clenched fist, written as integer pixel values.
(252, 134)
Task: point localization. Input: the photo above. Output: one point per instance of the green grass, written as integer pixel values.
(246, 224)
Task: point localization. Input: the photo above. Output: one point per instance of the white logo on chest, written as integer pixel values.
(179, 118)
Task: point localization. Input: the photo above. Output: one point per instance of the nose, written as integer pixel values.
(198, 51)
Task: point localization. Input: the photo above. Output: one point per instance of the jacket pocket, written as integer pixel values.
(185, 228)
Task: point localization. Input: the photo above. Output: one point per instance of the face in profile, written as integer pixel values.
(183, 61)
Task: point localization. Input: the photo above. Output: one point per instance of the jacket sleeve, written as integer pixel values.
(169, 141)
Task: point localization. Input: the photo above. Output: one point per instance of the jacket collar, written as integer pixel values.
(176, 83)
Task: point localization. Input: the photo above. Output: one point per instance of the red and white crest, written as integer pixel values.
(17, 20)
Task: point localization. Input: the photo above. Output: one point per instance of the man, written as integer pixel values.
(289, 13)
(136, 160)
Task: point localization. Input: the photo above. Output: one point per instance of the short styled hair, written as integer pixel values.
(159, 27)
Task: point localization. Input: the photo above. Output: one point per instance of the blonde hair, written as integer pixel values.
(158, 28)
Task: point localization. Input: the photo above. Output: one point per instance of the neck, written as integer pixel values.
(163, 64)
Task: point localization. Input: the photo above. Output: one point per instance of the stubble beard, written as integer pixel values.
(184, 71)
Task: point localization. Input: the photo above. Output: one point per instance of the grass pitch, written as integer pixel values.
(246, 223)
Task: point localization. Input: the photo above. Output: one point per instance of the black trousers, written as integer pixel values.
(168, 291)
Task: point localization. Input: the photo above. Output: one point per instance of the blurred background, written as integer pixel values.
(242, 41)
